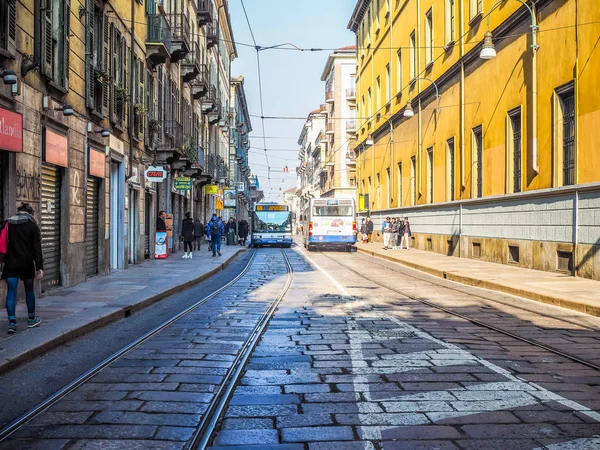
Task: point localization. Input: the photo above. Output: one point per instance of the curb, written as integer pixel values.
(110, 317)
(493, 286)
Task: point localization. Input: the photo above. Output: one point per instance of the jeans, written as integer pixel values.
(11, 297)
(197, 242)
(216, 244)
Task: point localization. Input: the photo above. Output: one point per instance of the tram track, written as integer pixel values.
(472, 320)
(210, 419)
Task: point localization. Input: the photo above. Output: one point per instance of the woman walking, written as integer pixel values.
(187, 232)
(394, 231)
(386, 228)
(363, 231)
(24, 261)
(405, 232)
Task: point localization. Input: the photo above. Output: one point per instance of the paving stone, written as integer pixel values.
(340, 408)
(88, 432)
(171, 396)
(101, 405)
(174, 433)
(339, 446)
(142, 418)
(261, 410)
(267, 399)
(248, 424)
(394, 419)
(510, 431)
(416, 445)
(332, 433)
(61, 418)
(174, 407)
(304, 420)
(44, 444)
(110, 444)
(247, 437)
(261, 447)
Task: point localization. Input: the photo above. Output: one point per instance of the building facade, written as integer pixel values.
(92, 94)
(340, 97)
(479, 121)
(312, 155)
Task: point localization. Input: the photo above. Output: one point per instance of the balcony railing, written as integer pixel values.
(180, 36)
(199, 84)
(351, 94)
(329, 128)
(212, 34)
(329, 96)
(351, 126)
(350, 157)
(158, 40)
(205, 12)
(174, 131)
(190, 66)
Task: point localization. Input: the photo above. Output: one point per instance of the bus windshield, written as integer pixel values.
(333, 210)
(271, 221)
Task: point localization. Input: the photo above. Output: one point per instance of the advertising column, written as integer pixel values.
(56, 158)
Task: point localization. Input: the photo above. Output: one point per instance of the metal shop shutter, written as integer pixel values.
(91, 227)
(147, 212)
(50, 225)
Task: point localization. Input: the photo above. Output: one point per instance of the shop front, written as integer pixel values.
(96, 174)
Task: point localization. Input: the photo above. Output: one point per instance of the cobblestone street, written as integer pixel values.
(345, 363)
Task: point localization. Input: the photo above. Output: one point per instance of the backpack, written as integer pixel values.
(215, 228)
(3, 243)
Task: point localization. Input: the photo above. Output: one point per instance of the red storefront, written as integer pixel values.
(11, 141)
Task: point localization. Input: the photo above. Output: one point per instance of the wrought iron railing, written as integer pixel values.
(180, 27)
(159, 30)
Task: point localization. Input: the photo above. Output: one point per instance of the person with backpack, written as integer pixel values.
(187, 233)
(216, 231)
(23, 261)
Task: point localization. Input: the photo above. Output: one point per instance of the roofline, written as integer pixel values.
(239, 83)
(357, 14)
(330, 60)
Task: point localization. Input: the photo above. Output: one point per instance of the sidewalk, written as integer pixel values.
(71, 312)
(579, 294)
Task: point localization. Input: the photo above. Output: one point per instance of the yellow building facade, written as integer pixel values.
(468, 131)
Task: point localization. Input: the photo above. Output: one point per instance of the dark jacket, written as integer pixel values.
(24, 255)
(394, 227)
(160, 224)
(228, 226)
(370, 227)
(405, 228)
(198, 228)
(187, 229)
(243, 229)
(221, 227)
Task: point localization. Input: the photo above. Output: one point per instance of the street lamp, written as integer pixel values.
(489, 52)
(408, 110)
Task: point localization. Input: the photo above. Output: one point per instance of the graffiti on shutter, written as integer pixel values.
(50, 225)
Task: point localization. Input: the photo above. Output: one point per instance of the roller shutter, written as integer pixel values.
(147, 212)
(50, 225)
(91, 228)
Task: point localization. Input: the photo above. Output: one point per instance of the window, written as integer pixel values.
(413, 56)
(388, 181)
(378, 95)
(400, 184)
(567, 108)
(477, 145)
(476, 8)
(8, 27)
(377, 10)
(399, 72)
(97, 60)
(450, 183)
(119, 81)
(370, 105)
(388, 84)
(55, 46)
(413, 180)
(450, 21)
(429, 37)
(430, 175)
(514, 144)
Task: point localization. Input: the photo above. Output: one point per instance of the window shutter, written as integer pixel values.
(105, 64)
(142, 97)
(90, 79)
(12, 26)
(47, 46)
(126, 85)
(67, 37)
(113, 73)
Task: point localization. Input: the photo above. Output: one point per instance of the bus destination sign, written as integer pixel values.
(271, 208)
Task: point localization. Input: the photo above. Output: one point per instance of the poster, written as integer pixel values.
(230, 196)
(160, 245)
(169, 223)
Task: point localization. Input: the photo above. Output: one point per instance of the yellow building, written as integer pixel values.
(492, 150)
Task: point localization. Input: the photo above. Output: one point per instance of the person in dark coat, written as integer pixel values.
(161, 225)
(24, 261)
(243, 231)
(198, 233)
(187, 232)
(363, 231)
(369, 229)
(216, 230)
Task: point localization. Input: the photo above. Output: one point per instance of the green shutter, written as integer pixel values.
(47, 45)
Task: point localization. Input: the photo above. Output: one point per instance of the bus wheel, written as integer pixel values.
(287, 246)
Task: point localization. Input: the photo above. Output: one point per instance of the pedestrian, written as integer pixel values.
(243, 231)
(23, 261)
(230, 231)
(217, 230)
(187, 234)
(363, 231)
(208, 236)
(394, 233)
(198, 233)
(370, 228)
(405, 232)
(161, 225)
(386, 228)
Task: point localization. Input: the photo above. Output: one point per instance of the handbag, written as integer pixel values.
(3, 243)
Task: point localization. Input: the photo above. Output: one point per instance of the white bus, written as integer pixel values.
(271, 225)
(330, 222)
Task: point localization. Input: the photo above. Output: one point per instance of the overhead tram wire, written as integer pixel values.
(260, 93)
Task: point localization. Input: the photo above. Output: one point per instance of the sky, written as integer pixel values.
(291, 80)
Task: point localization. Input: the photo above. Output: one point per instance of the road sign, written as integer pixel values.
(155, 174)
(211, 189)
(183, 183)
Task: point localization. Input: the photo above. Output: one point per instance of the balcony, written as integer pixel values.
(215, 114)
(158, 40)
(208, 102)
(174, 131)
(205, 12)
(351, 126)
(199, 85)
(190, 66)
(212, 34)
(180, 36)
(350, 158)
(351, 95)
(329, 96)
(329, 128)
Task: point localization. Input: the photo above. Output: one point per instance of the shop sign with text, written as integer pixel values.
(211, 189)
(183, 183)
(97, 163)
(56, 149)
(11, 131)
(155, 174)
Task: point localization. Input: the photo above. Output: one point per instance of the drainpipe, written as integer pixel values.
(37, 32)
(575, 230)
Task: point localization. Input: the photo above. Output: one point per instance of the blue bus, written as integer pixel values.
(271, 225)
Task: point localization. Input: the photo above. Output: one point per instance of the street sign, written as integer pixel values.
(183, 183)
(240, 186)
(230, 196)
(211, 189)
(155, 174)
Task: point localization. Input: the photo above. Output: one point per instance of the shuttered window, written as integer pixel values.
(56, 36)
(98, 74)
(118, 96)
(8, 26)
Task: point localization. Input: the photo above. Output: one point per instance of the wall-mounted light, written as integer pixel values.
(408, 110)
(9, 77)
